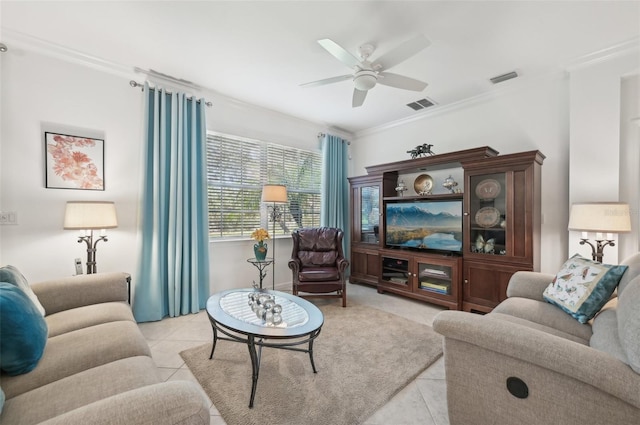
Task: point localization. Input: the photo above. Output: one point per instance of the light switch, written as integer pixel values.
(8, 217)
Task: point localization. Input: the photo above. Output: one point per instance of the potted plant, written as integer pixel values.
(260, 248)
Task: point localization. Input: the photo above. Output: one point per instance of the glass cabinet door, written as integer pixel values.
(396, 271)
(488, 215)
(370, 214)
(435, 278)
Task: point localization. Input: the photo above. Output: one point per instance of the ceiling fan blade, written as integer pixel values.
(402, 52)
(339, 52)
(401, 82)
(358, 97)
(327, 81)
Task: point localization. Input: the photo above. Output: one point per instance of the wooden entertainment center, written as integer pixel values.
(500, 227)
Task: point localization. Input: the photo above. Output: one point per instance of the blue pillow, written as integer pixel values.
(12, 275)
(582, 287)
(23, 329)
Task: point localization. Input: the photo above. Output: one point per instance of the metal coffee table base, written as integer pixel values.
(252, 341)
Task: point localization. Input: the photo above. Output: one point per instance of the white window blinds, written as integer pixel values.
(237, 168)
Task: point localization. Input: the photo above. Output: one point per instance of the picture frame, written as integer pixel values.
(73, 162)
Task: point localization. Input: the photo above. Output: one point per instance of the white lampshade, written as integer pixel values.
(274, 193)
(603, 217)
(90, 215)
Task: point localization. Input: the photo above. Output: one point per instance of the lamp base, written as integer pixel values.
(91, 251)
(597, 250)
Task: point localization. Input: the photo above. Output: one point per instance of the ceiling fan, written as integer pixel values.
(369, 73)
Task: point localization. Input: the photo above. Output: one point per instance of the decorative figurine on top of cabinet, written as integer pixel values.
(421, 150)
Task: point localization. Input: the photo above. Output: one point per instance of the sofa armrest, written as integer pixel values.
(81, 290)
(342, 264)
(528, 285)
(168, 403)
(563, 357)
(295, 265)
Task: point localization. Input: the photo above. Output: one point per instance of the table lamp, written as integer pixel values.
(276, 194)
(89, 216)
(601, 218)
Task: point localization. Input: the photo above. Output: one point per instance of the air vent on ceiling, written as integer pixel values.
(421, 104)
(503, 77)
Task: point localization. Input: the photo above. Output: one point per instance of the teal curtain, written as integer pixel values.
(334, 210)
(173, 275)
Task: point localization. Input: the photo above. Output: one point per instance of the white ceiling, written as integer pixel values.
(261, 51)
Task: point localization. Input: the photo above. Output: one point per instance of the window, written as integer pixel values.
(237, 168)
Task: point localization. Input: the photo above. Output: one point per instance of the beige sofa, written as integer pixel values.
(96, 367)
(528, 362)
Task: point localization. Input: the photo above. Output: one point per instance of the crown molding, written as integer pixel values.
(494, 93)
(631, 46)
(18, 40)
(624, 48)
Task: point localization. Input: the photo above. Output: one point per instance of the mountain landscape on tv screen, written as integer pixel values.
(423, 227)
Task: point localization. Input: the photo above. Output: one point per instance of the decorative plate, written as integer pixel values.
(488, 189)
(488, 217)
(423, 184)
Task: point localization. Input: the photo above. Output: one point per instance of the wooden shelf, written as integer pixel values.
(420, 198)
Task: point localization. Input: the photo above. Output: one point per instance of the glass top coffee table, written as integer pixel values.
(297, 322)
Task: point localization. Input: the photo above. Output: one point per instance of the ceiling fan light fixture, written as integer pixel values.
(365, 80)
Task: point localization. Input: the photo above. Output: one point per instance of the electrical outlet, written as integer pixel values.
(8, 217)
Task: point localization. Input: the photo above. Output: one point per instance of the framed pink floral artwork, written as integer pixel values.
(74, 162)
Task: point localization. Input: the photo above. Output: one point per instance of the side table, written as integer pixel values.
(261, 265)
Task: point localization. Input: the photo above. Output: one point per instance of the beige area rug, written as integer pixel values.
(364, 356)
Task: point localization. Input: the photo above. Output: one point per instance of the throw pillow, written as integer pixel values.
(629, 322)
(23, 330)
(583, 287)
(11, 275)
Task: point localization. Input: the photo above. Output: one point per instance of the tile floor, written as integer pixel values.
(422, 402)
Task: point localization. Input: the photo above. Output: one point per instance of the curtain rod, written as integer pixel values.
(321, 135)
(135, 84)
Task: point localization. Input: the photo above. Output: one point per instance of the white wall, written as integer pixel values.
(630, 162)
(42, 90)
(524, 117)
(603, 164)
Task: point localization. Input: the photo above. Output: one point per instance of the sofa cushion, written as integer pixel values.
(537, 326)
(605, 336)
(74, 352)
(318, 274)
(80, 290)
(582, 287)
(317, 258)
(629, 323)
(90, 315)
(544, 314)
(23, 331)
(11, 275)
(80, 389)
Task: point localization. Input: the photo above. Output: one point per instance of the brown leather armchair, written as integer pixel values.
(318, 263)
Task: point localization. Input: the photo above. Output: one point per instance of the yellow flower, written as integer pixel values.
(260, 234)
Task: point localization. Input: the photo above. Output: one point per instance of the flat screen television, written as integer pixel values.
(425, 224)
